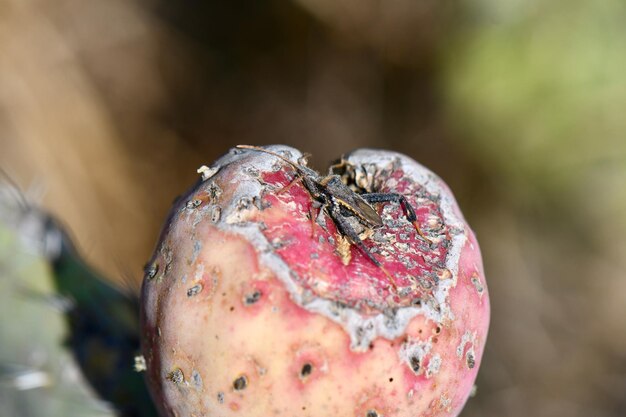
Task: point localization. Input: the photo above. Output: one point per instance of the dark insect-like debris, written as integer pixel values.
(340, 202)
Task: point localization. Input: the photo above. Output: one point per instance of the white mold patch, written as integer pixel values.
(199, 272)
(197, 246)
(467, 338)
(434, 365)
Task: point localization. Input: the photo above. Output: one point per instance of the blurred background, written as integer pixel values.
(108, 107)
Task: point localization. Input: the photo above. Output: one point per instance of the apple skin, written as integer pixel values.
(254, 305)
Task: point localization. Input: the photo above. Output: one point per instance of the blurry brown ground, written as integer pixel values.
(108, 107)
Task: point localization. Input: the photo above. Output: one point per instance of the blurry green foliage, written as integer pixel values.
(69, 337)
(537, 89)
(38, 376)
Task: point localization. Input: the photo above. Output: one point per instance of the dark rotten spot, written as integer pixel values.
(306, 370)
(176, 376)
(240, 383)
(152, 270)
(415, 363)
(252, 298)
(195, 290)
(471, 362)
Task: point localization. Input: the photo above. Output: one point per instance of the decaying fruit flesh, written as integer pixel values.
(254, 305)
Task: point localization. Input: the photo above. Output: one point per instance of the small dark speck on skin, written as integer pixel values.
(232, 308)
(240, 383)
(220, 397)
(372, 413)
(197, 379)
(471, 362)
(415, 363)
(252, 298)
(192, 204)
(152, 270)
(244, 203)
(477, 285)
(390, 379)
(216, 214)
(306, 370)
(176, 376)
(195, 290)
